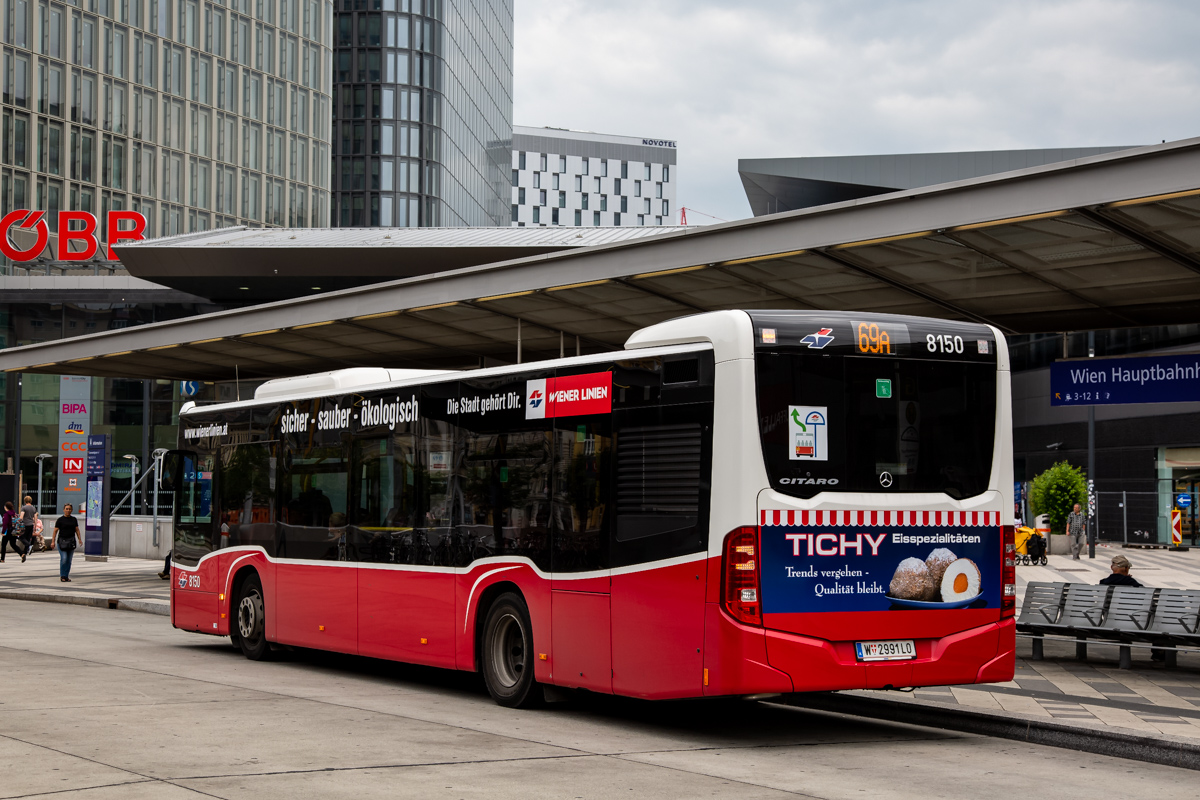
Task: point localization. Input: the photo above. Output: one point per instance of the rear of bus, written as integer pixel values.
(878, 557)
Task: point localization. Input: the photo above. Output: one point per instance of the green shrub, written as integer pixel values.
(1055, 493)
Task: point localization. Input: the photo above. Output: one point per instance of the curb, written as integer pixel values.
(1172, 751)
(160, 607)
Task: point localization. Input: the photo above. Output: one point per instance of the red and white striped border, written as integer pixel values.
(836, 517)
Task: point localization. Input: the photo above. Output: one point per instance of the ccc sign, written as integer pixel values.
(74, 447)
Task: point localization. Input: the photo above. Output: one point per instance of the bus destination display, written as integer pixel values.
(879, 338)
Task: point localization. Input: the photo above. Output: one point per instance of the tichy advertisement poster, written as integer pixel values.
(822, 568)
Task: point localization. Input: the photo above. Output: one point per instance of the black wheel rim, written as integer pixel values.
(250, 616)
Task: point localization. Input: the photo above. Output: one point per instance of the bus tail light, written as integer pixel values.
(740, 590)
(1008, 600)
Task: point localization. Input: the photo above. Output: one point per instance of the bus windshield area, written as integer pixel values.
(833, 422)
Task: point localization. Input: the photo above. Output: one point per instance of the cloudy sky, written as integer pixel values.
(775, 78)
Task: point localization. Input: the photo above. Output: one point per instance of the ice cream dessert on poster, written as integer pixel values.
(876, 568)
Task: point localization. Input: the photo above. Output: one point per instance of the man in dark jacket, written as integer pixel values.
(1120, 573)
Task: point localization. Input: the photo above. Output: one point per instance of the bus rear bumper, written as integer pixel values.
(984, 654)
(741, 659)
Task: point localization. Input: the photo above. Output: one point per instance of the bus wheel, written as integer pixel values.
(507, 653)
(251, 622)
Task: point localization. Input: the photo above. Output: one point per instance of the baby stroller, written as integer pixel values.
(39, 541)
(1031, 546)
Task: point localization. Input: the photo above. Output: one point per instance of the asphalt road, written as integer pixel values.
(112, 704)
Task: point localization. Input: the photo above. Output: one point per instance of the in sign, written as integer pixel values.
(1183, 500)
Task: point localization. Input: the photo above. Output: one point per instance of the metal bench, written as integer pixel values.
(1083, 613)
(1165, 620)
(1040, 610)
(1130, 612)
(1176, 619)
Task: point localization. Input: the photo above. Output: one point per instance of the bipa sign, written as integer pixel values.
(74, 408)
(73, 226)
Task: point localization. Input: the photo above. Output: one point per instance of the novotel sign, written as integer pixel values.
(658, 142)
(73, 226)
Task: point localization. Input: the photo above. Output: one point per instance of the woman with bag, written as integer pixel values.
(66, 534)
(6, 529)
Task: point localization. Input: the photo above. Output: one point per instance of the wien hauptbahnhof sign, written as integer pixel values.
(1143, 379)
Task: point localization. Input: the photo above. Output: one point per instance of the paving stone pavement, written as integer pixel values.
(1165, 569)
(126, 578)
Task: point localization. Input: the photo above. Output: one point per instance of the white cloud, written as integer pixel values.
(844, 78)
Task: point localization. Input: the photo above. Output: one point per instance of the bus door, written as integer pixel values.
(405, 609)
(582, 511)
(316, 588)
(194, 589)
(659, 575)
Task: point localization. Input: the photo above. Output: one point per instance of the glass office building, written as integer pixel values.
(423, 112)
(197, 114)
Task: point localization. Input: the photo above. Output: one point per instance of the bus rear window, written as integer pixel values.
(858, 424)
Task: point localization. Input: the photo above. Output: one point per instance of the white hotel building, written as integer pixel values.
(562, 177)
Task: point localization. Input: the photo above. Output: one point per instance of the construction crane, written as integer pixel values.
(683, 215)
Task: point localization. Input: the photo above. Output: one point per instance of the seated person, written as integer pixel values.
(1120, 574)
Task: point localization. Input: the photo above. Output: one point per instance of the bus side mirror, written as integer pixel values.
(172, 470)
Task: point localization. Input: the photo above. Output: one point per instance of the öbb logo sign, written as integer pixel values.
(36, 221)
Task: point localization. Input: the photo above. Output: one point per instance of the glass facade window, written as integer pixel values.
(84, 85)
(445, 71)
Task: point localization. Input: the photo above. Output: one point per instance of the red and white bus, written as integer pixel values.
(740, 502)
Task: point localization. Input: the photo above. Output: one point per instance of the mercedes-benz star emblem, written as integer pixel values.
(885, 479)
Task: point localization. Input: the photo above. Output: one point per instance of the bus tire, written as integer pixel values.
(249, 626)
(507, 654)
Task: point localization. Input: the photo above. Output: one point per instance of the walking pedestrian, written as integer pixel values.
(7, 525)
(29, 516)
(1076, 531)
(66, 534)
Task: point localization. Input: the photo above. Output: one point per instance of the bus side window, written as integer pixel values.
(312, 504)
(662, 460)
(190, 477)
(383, 498)
(246, 490)
(582, 511)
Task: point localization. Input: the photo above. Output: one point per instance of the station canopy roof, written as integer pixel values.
(1107, 241)
(254, 265)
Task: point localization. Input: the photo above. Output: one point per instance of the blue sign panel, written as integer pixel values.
(809, 569)
(96, 506)
(1183, 500)
(189, 388)
(1108, 381)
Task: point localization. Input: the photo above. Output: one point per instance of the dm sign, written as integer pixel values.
(1108, 381)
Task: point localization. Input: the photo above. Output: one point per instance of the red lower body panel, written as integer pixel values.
(194, 611)
(735, 658)
(581, 650)
(653, 635)
(658, 631)
(407, 616)
(316, 606)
